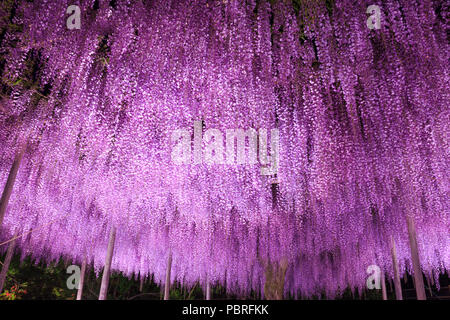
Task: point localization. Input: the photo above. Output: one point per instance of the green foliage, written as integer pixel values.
(15, 292)
(28, 280)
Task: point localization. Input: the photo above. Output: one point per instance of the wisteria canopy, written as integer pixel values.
(363, 119)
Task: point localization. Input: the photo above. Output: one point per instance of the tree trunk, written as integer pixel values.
(275, 277)
(418, 277)
(5, 267)
(106, 271)
(81, 284)
(10, 181)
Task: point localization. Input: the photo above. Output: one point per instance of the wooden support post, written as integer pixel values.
(429, 286)
(10, 181)
(141, 284)
(106, 271)
(167, 284)
(208, 289)
(397, 283)
(5, 267)
(81, 284)
(418, 277)
(383, 286)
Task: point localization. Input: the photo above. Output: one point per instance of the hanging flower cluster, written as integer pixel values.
(362, 115)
